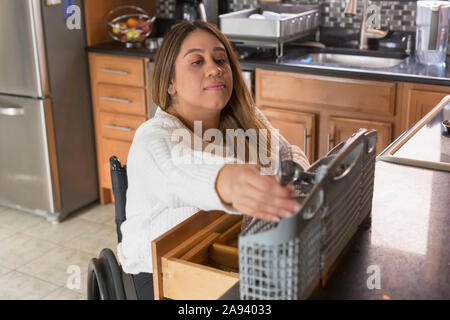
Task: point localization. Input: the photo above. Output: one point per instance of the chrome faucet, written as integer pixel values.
(365, 32)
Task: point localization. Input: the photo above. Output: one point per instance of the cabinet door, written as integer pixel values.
(110, 148)
(340, 129)
(297, 127)
(421, 102)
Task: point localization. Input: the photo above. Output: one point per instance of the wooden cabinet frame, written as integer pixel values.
(113, 114)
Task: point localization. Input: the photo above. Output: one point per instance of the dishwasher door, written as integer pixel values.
(28, 166)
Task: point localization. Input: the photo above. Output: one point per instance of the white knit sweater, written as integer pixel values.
(163, 192)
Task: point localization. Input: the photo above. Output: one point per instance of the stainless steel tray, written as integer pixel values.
(238, 27)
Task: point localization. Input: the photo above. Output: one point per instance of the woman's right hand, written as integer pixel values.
(261, 196)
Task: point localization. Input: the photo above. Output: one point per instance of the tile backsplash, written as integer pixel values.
(402, 14)
(165, 8)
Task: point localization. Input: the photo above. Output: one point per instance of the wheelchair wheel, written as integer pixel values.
(105, 278)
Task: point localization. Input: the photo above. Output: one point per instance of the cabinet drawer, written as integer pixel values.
(121, 99)
(110, 148)
(119, 126)
(120, 70)
(197, 259)
(374, 97)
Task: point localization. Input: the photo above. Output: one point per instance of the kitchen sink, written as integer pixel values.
(350, 60)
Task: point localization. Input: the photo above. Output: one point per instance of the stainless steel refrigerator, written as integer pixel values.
(47, 147)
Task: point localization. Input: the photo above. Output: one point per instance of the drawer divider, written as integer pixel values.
(218, 226)
(224, 255)
(230, 234)
(199, 253)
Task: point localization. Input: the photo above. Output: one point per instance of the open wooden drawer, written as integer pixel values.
(198, 258)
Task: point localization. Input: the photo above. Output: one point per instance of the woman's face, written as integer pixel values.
(203, 78)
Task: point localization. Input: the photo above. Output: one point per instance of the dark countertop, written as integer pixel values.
(408, 71)
(407, 241)
(120, 49)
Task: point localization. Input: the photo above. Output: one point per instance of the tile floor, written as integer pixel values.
(41, 260)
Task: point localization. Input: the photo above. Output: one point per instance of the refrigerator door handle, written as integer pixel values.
(11, 111)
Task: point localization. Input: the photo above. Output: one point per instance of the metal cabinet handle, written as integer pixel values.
(305, 140)
(114, 71)
(329, 142)
(116, 99)
(110, 126)
(11, 111)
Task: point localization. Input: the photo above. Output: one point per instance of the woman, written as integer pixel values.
(196, 77)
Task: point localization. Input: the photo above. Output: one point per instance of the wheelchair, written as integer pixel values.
(105, 279)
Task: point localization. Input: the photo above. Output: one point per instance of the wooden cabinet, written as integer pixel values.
(330, 108)
(340, 129)
(297, 127)
(111, 147)
(418, 99)
(120, 100)
(119, 70)
(340, 94)
(119, 126)
(339, 106)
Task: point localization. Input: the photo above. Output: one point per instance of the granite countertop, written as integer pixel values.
(407, 241)
(408, 70)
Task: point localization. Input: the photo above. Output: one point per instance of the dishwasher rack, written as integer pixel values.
(287, 260)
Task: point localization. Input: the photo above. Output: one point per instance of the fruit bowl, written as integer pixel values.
(129, 25)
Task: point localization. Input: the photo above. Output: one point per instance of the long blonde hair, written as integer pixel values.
(239, 113)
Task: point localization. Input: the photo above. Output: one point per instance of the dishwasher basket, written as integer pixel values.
(286, 260)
